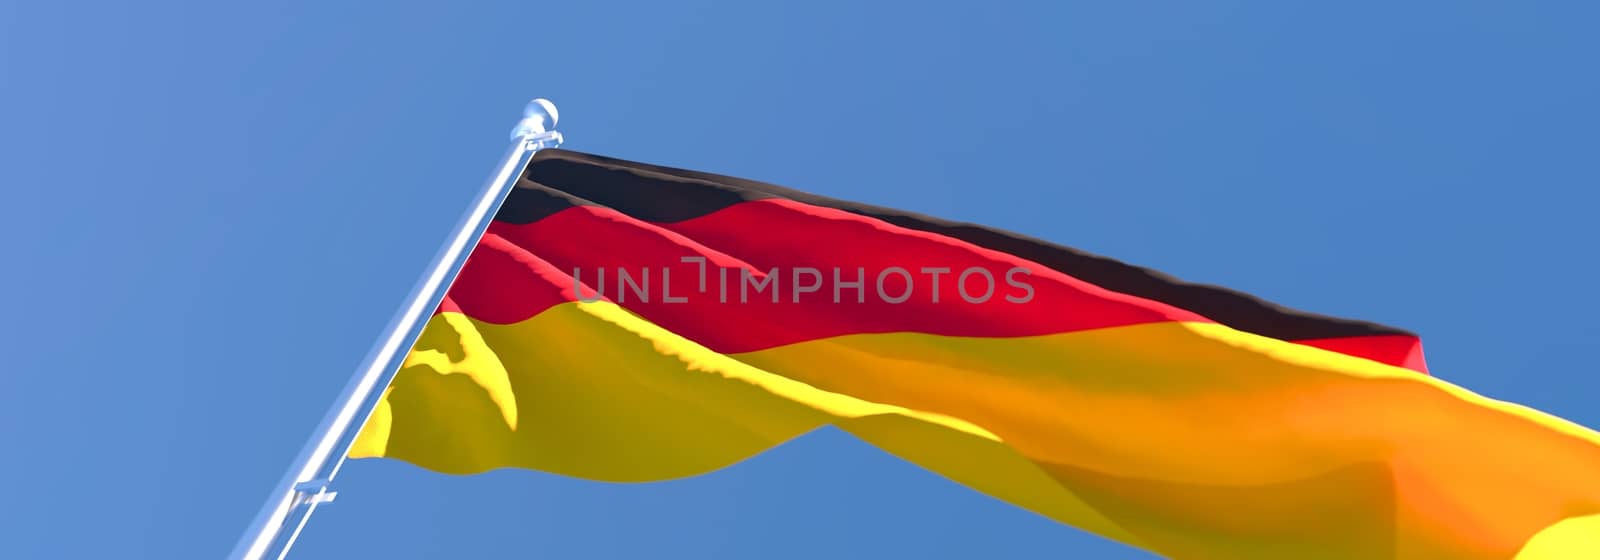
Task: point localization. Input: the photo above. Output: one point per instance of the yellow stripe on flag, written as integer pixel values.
(1193, 440)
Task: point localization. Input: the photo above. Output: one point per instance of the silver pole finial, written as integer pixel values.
(538, 124)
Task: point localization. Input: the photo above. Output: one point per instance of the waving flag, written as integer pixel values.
(629, 322)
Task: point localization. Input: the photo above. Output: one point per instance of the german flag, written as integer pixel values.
(630, 322)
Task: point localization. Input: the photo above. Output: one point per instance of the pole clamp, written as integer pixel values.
(313, 492)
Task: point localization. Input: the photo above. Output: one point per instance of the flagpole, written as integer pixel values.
(308, 482)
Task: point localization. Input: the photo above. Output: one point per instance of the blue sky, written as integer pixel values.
(211, 210)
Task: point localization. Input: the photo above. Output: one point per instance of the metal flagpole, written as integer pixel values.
(307, 483)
